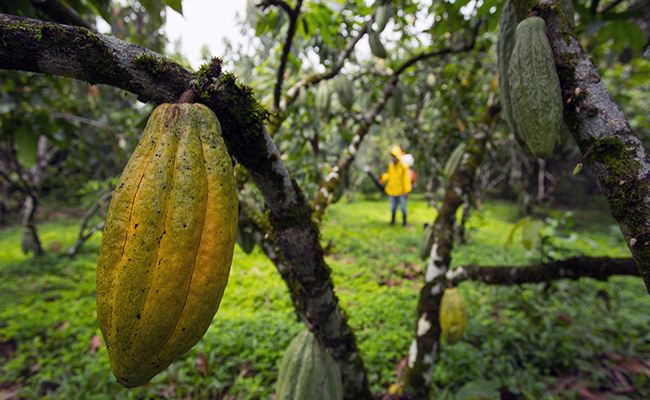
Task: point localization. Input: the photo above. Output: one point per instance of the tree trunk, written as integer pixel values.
(425, 345)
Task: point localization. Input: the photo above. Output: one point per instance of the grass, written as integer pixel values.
(534, 341)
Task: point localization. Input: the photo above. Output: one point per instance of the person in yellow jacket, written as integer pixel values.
(398, 183)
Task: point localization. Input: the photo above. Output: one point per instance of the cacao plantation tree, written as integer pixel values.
(288, 109)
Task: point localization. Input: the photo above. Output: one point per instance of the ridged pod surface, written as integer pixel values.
(395, 103)
(505, 44)
(323, 99)
(426, 242)
(453, 315)
(345, 91)
(308, 372)
(453, 162)
(168, 243)
(535, 88)
(382, 16)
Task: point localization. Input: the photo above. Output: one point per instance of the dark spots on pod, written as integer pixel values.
(135, 226)
(138, 316)
(183, 329)
(184, 225)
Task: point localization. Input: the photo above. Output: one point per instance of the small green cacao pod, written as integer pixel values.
(344, 90)
(535, 88)
(395, 103)
(382, 16)
(569, 11)
(308, 372)
(168, 243)
(303, 97)
(431, 80)
(453, 162)
(426, 242)
(505, 44)
(565, 134)
(453, 315)
(323, 99)
(375, 45)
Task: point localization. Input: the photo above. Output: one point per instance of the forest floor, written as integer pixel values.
(580, 339)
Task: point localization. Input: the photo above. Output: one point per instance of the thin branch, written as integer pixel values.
(86, 121)
(600, 268)
(59, 12)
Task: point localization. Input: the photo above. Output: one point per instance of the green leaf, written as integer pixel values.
(26, 141)
(518, 225)
(530, 233)
(175, 5)
(479, 390)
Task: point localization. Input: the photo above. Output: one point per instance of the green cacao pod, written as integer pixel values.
(382, 16)
(245, 240)
(453, 162)
(345, 91)
(453, 315)
(303, 97)
(323, 99)
(426, 242)
(565, 134)
(569, 11)
(168, 243)
(505, 44)
(375, 45)
(535, 88)
(395, 103)
(308, 372)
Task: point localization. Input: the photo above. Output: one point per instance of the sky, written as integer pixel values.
(205, 22)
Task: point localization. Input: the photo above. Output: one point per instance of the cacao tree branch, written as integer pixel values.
(293, 14)
(600, 268)
(60, 13)
(84, 120)
(101, 202)
(425, 345)
(42, 47)
(611, 150)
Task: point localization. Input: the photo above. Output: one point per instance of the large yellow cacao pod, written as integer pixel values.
(168, 243)
(453, 315)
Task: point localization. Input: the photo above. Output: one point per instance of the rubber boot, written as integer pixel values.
(404, 223)
(392, 221)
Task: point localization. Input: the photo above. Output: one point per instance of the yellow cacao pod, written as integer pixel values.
(168, 243)
(453, 315)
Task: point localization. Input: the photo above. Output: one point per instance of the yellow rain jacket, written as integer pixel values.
(398, 181)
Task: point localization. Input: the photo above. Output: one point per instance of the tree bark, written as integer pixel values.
(425, 345)
(600, 268)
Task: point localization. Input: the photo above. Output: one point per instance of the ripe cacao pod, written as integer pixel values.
(505, 44)
(382, 16)
(453, 315)
(375, 45)
(345, 91)
(308, 372)
(453, 162)
(168, 243)
(535, 88)
(323, 99)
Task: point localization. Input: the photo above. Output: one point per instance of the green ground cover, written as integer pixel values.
(536, 341)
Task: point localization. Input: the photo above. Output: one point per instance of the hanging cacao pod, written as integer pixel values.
(395, 103)
(168, 243)
(535, 88)
(382, 16)
(345, 91)
(569, 11)
(453, 315)
(453, 162)
(505, 44)
(426, 242)
(245, 240)
(375, 45)
(323, 99)
(308, 372)
(303, 97)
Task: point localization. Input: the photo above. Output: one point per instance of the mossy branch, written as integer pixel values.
(600, 268)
